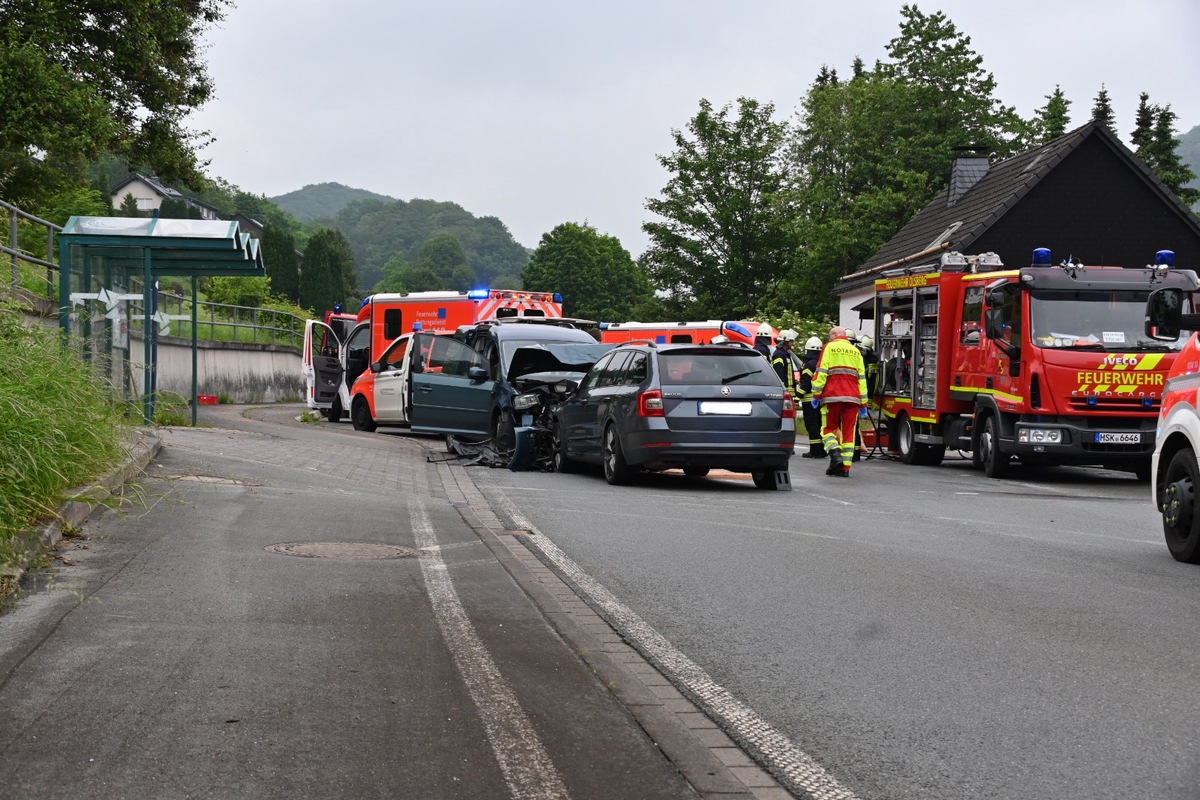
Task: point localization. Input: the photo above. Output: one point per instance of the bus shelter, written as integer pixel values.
(100, 257)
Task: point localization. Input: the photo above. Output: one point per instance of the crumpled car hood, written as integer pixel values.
(565, 360)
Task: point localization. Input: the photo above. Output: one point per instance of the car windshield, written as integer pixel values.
(1092, 320)
(708, 367)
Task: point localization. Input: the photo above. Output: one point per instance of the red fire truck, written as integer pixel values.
(1046, 363)
(329, 371)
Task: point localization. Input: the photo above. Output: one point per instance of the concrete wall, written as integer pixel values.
(243, 373)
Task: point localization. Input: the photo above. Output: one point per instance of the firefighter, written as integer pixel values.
(840, 386)
(781, 360)
(762, 340)
(812, 414)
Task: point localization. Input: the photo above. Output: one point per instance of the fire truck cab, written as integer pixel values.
(1048, 364)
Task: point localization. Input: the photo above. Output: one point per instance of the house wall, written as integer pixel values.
(1093, 207)
(148, 199)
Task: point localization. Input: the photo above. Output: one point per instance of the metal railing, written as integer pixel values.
(26, 265)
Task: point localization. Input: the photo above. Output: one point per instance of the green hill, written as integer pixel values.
(1189, 152)
(323, 200)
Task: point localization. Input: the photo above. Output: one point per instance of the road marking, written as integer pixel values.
(786, 761)
(523, 760)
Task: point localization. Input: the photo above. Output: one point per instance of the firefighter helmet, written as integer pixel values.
(788, 335)
(867, 343)
(813, 343)
(765, 330)
(851, 334)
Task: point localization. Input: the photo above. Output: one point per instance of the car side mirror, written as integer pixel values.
(376, 366)
(477, 374)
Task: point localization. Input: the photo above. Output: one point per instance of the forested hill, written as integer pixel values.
(321, 200)
(1189, 153)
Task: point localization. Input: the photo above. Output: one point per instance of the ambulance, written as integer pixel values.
(331, 360)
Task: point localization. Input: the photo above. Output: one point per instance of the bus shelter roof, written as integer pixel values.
(196, 247)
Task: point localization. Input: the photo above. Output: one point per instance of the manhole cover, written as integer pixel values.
(344, 550)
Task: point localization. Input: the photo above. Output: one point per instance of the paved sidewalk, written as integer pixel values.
(292, 611)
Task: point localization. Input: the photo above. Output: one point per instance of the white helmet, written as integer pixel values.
(719, 339)
(813, 343)
(867, 342)
(851, 334)
(788, 335)
(765, 330)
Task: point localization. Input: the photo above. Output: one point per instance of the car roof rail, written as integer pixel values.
(640, 342)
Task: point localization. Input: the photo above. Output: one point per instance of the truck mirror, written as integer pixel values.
(1164, 314)
(993, 320)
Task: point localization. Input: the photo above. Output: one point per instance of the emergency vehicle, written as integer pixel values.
(680, 332)
(1175, 471)
(1046, 363)
(382, 318)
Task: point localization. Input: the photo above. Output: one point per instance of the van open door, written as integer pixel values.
(322, 369)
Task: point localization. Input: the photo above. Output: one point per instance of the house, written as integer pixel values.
(149, 194)
(1083, 195)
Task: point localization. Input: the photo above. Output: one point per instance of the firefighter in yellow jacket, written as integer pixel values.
(840, 385)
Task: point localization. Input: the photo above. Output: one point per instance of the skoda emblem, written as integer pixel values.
(725, 390)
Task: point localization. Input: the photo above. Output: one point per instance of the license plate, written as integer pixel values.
(725, 407)
(1118, 438)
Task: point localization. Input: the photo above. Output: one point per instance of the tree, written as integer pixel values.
(129, 206)
(327, 275)
(79, 77)
(283, 267)
(596, 276)
(443, 255)
(1143, 130)
(1051, 120)
(1162, 154)
(724, 241)
(234, 290)
(1102, 110)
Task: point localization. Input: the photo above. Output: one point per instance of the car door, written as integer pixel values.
(391, 382)
(572, 414)
(320, 364)
(451, 388)
(595, 402)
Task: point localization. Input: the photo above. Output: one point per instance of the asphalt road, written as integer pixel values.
(917, 632)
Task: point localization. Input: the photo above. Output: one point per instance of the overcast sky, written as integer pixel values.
(555, 111)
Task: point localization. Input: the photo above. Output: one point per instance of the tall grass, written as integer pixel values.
(59, 428)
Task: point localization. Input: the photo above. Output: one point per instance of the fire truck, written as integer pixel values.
(680, 332)
(1049, 364)
(330, 370)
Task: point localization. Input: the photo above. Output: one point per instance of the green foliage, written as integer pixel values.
(129, 207)
(327, 274)
(78, 78)
(323, 200)
(724, 240)
(232, 290)
(283, 265)
(1102, 110)
(442, 255)
(58, 427)
(595, 274)
(1051, 120)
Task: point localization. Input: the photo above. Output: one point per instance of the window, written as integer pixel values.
(395, 355)
(593, 377)
(614, 375)
(972, 316)
(635, 372)
(359, 346)
(393, 323)
(452, 357)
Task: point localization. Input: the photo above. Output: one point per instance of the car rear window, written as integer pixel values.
(695, 367)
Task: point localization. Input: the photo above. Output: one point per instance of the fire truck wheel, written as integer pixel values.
(334, 412)
(360, 415)
(1181, 524)
(562, 463)
(906, 440)
(995, 463)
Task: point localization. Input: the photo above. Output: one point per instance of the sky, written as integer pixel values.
(540, 112)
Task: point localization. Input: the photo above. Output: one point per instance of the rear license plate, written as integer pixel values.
(725, 407)
(1118, 438)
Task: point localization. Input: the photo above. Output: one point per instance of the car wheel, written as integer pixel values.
(695, 472)
(764, 480)
(334, 412)
(1181, 524)
(616, 471)
(360, 415)
(504, 437)
(558, 456)
(995, 463)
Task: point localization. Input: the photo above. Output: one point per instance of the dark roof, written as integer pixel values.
(940, 226)
(153, 183)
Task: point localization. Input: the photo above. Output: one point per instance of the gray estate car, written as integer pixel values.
(694, 407)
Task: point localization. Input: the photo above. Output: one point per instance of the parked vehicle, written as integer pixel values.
(690, 407)
(1044, 363)
(680, 332)
(1175, 472)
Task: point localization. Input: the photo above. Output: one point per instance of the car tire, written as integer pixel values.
(1181, 523)
(360, 415)
(334, 412)
(504, 434)
(766, 480)
(616, 470)
(695, 472)
(558, 455)
(995, 463)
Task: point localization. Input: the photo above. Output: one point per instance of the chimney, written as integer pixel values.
(970, 164)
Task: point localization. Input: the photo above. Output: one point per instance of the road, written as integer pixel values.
(917, 632)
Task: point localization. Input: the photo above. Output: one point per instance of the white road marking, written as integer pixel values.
(798, 769)
(523, 760)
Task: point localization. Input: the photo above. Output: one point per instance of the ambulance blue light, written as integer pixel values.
(363, 304)
(478, 294)
(1165, 257)
(733, 326)
(558, 297)
(1041, 257)
(604, 325)
(337, 308)
(418, 327)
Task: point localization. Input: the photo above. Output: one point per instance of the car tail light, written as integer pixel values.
(650, 404)
(789, 407)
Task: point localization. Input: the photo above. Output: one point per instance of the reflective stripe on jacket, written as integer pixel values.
(782, 363)
(841, 376)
